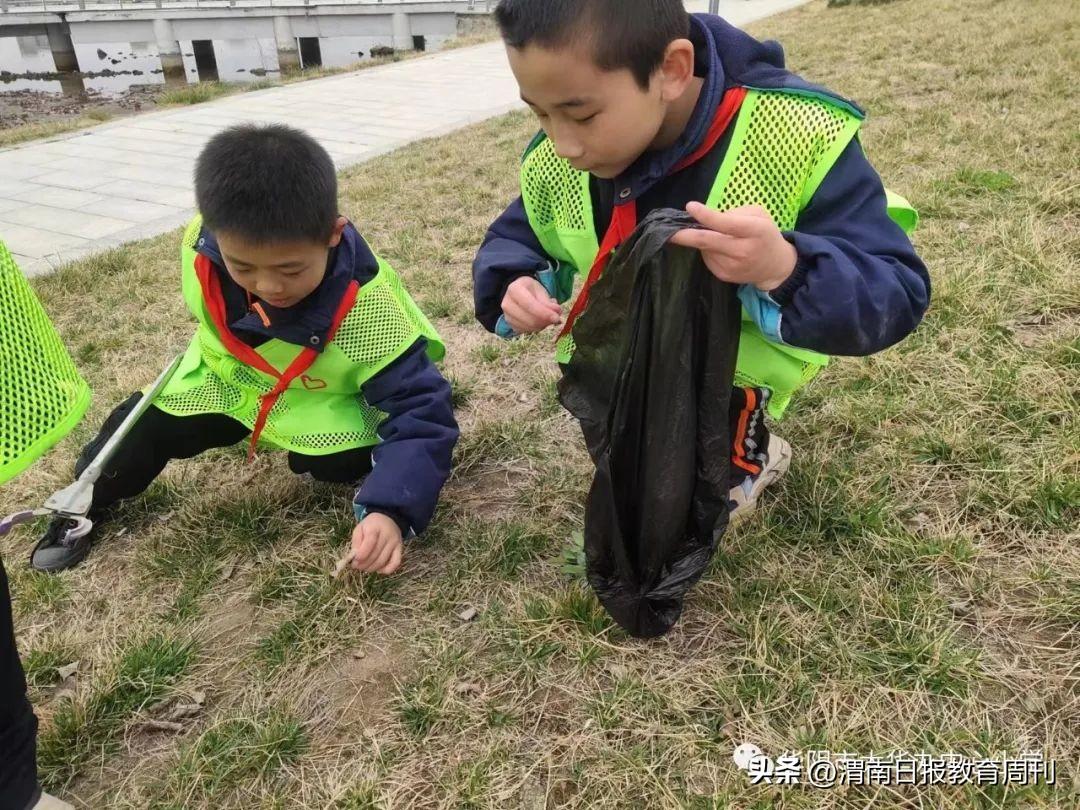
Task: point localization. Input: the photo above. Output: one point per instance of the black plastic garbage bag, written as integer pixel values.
(650, 382)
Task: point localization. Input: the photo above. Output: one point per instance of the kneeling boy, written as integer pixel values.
(306, 341)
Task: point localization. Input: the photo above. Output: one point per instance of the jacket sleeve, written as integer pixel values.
(858, 286)
(412, 461)
(510, 250)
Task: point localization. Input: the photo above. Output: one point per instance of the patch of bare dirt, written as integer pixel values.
(353, 691)
(1033, 331)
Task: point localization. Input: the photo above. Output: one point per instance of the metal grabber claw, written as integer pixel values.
(73, 502)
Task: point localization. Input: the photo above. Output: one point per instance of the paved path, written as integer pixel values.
(80, 193)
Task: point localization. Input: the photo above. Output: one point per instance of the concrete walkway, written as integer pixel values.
(80, 193)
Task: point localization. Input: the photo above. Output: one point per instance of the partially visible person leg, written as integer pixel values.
(758, 457)
(19, 789)
(156, 439)
(18, 725)
(153, 441)
(347, 467)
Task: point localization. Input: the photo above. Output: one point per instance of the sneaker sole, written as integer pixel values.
(47, 802)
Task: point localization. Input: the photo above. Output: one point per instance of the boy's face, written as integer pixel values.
(280, 273)
(599, 120)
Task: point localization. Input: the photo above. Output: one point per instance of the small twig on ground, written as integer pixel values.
(342, 564)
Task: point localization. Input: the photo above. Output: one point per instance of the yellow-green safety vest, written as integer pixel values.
(42, 395)
(782, 147)
(323, 411)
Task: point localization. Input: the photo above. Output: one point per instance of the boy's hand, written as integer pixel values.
(741, 246)
(377, 545)
(528, 307)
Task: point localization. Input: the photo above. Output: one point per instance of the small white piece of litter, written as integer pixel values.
(69, 670)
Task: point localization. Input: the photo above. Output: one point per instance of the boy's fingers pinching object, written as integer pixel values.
(380, 560)
(394, 564)
(548, 308)
(343, 564)
(540, 295)
(534, 298)
(703, 239)
(365, 549)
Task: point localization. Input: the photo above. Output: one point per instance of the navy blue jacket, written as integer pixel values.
(412, 461)
(858, 285)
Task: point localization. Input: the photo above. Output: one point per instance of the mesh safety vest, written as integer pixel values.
(42, 396)
(782, 147)
(322, 411)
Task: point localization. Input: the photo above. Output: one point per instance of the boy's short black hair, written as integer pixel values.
(267, 184)
(631, 34)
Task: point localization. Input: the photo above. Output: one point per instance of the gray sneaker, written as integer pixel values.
(744, 497)
(55, 552)
(47, 802)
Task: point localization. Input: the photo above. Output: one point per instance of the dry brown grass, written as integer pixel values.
(914, 583)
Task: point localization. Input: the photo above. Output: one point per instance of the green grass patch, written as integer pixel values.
(420, 705)
(35, 594)
(489, 352)
(88, 729)
(41, 665)
(41, 130)
(499, 549)
(361, 797)
(461, 391)
(577, 607)
(321, 610)
(194, 94)
(439, 304)
(971, 182)
(505, 440)
(238, 751)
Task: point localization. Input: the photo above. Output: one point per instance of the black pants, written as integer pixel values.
(749, 433)
(159, 437)
(18, 725)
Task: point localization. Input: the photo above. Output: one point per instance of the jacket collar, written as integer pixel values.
(308, 322)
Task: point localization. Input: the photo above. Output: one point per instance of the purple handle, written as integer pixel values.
(11, 521)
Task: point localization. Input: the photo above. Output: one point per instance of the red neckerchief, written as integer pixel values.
(624, 215)
(215, 305)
